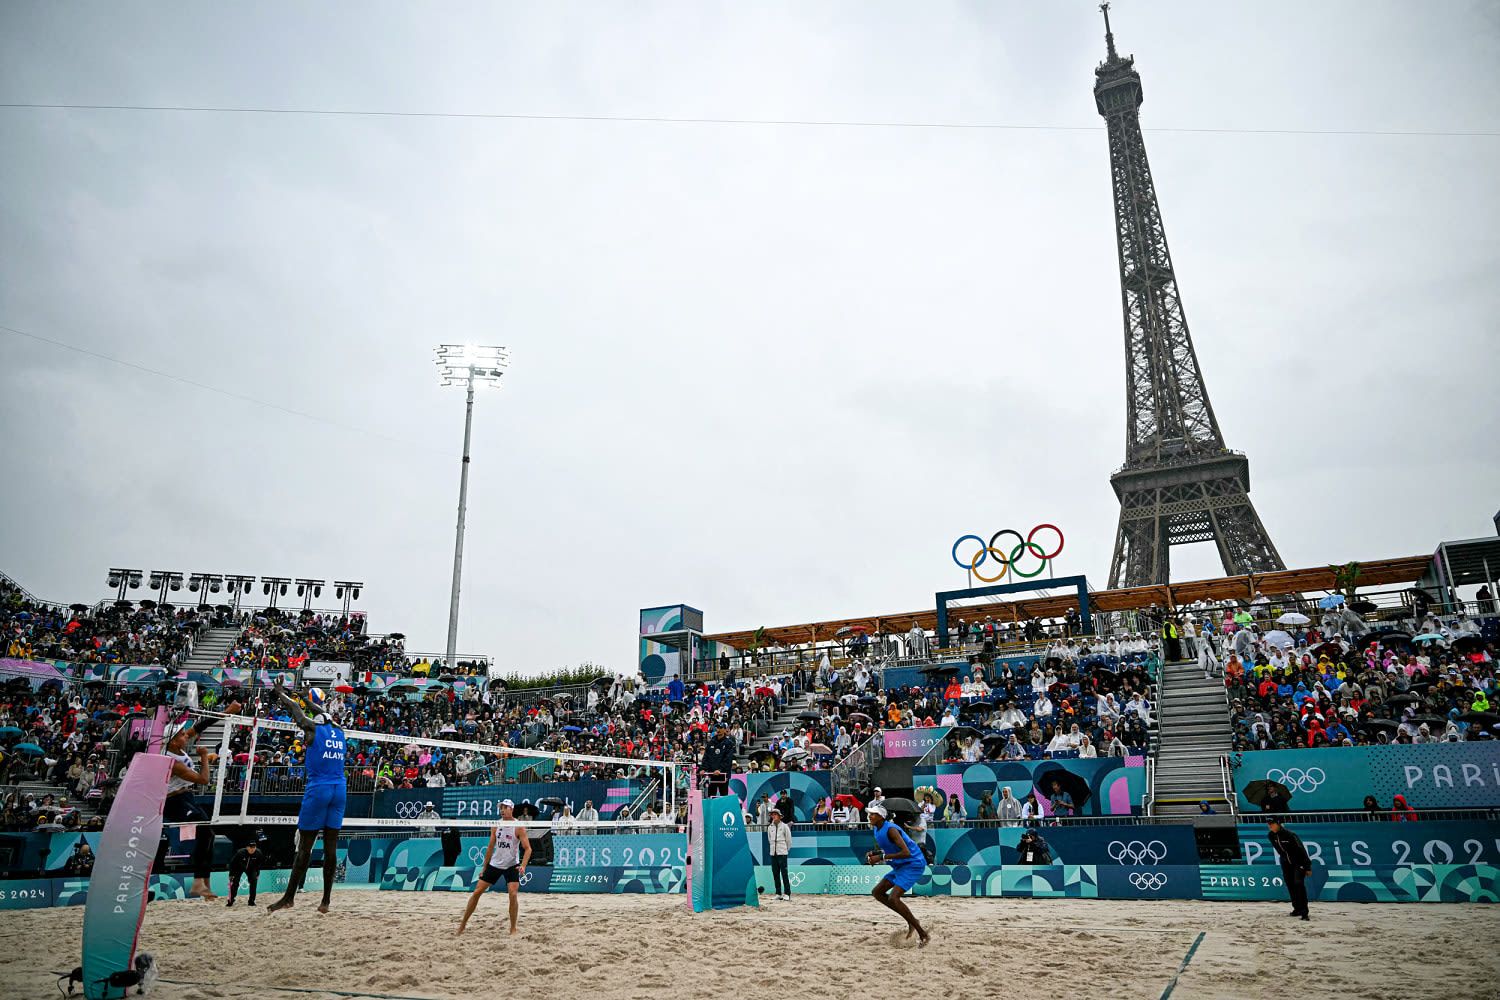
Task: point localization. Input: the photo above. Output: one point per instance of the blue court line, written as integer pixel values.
(1183, 967)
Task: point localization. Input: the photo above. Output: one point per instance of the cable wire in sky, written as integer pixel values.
(217, 389)
(793, 122)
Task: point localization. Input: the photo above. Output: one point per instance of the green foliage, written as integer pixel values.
(584, 673)
(1344, 578)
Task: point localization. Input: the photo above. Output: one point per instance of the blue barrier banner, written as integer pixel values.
(1335, 845)
(806, 787)
(1429, 775)
(1073, 845)
(28, 893)
(1100, 786)
(627, 850)
(731, 873)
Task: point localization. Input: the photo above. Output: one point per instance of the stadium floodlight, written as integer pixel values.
(309, 589)
(465, 365)
(274, 587)
(204, 584)
(238, 585)
(163, 580)
(122, 579)
(346, 591)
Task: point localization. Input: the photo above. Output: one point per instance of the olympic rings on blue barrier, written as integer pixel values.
(1024, 545)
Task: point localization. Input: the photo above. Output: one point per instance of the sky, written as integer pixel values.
(770, 371)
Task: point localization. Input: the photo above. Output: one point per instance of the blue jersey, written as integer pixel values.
(886, 840)
(325, 756)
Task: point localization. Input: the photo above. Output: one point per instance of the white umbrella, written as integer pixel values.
(1280, 639)
(1293, 618)
(795, 753)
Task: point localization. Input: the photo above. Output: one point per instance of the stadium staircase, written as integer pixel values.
(210, 650)
(1192, 735)
(785, 718)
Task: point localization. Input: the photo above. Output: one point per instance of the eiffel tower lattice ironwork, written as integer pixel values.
(1179, 483)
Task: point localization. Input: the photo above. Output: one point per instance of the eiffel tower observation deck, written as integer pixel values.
(1180, 483)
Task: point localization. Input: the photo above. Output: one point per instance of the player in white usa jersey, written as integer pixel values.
(505, 860)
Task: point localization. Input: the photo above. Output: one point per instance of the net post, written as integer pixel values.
(223, 770)
(249, 770)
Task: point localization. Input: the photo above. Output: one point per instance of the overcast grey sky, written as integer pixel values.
(772, 372)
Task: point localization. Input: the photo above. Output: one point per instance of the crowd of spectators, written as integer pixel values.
(123, 633)
(283, 640)
(1329, 689)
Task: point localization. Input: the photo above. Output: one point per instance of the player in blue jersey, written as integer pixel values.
(323, 798)
(895, 848)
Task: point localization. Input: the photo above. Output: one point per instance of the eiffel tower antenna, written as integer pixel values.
(1180, 483)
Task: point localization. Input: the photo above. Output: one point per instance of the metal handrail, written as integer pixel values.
(1360, 816)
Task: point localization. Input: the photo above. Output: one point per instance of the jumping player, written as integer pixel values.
(505, 860)
(895, 848)
(323, 798)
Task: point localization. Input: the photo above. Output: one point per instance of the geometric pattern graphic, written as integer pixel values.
(1099, 787)
(1379, 884)
(1430, 776)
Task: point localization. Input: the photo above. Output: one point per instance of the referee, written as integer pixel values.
(1295, 864)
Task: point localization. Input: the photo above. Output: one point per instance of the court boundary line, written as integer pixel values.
(1183, 967)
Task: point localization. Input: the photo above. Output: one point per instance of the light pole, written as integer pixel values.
(467, 365)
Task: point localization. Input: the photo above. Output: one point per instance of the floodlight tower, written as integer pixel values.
(467, 365)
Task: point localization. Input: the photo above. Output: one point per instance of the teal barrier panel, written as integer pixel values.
(1335, 845)
(1429, 775)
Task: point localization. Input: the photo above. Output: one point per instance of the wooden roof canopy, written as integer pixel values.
(1372, 574)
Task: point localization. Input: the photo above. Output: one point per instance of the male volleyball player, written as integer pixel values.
(505, 860)
(180, 806)
(895, 848)
(322, 799)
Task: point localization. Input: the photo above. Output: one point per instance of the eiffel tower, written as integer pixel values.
(1179, 483)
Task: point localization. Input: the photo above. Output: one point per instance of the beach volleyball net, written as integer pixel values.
(258, 767)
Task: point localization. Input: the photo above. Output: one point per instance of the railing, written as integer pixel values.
(1360, 816)
(854, 772)
(1148, 802)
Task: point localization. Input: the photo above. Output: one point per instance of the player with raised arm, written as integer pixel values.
(505, 860)
(895, 848)
(322, 800)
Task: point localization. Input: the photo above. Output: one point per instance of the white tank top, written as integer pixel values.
(507, 851)
(176, 784)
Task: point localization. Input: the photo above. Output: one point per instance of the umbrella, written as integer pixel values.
(448, 678)
(1467, 644)
(30, 748)
(1480, 718)
(1260, 792)
(904, 806)
(868, 700)
(148, 604)
(1293, 618)
(1426, 637)
(849, 800)
(844, 631)
(1428, 718)
(78, 607)
(809, 716)
(395, 635)
(110, 716)
(829, 701)
(979, 706)
(1280, 639)
(552, 801)
(1331, 601)
(820, 748)
(124, 604)
(795, 753)
(942, 668)
(860, 717)
(571, 729)
(1403, 699)
(1075, 785)
(1332, 650)
(10, 730)
(1243, 617)
(1380, 724)
(527, 810)
(343, 688)
(1362, 607)
(1396, 638)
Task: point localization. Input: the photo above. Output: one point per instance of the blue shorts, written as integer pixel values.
(904, 877)
(322, 807)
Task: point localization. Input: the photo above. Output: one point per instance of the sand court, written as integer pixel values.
(644, 947)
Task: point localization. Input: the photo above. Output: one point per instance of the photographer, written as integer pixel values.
(1033, 849)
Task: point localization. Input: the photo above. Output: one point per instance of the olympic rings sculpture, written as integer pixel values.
(1008, 563)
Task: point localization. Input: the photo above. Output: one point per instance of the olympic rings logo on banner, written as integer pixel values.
(1008, 563)
(408, 810)
(1137, 853)
(1297, 779)
(476, 854)
(798, 878)
(1149, 881)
